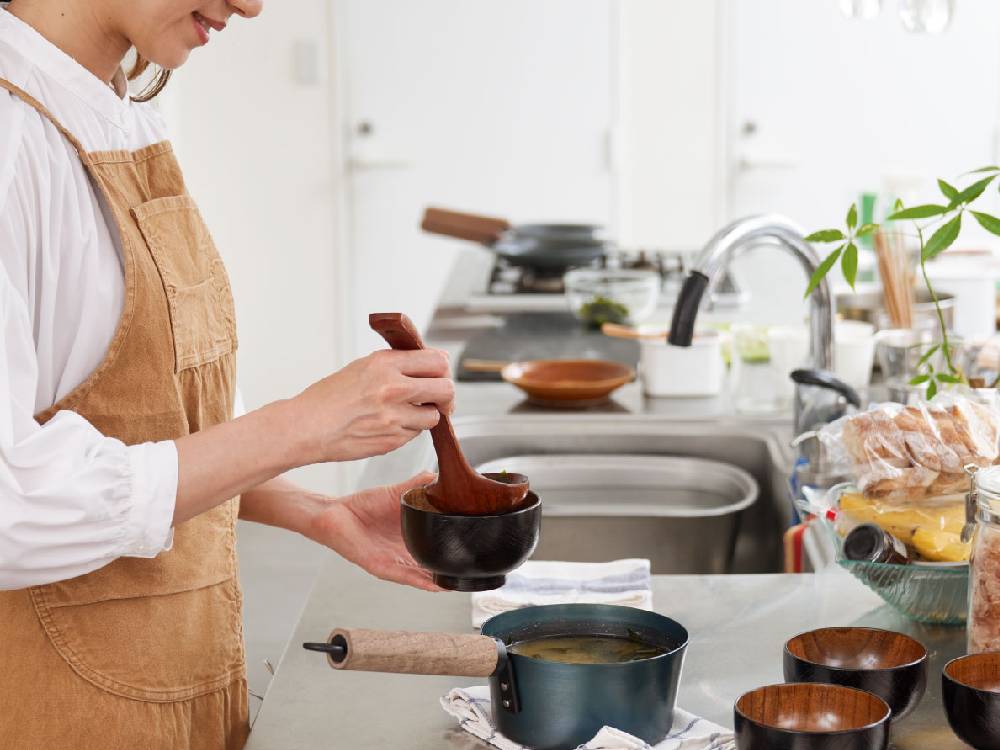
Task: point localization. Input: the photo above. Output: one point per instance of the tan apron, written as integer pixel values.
(142, 653)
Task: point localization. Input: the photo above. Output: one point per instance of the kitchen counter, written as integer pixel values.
(738, 623)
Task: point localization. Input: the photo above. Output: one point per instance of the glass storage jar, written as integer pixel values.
(983, 526)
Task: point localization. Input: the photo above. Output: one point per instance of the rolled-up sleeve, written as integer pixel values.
(71, 499)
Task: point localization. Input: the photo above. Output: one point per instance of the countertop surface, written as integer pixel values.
(738, 623)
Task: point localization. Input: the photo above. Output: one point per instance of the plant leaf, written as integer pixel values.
(865, 230)
(972, 192)
(849, 263)
(919, 379)
(942, 239)
(931, 390)
(823, 270)
(928, 354)
(944, 377)
(919, 212)
(826, 235)
(898, 205)
(948, 191)
(984, 169)
(852, 216)
(987, 222)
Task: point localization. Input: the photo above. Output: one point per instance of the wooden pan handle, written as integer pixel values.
(406, 652)
(486, 230)
(397, 330)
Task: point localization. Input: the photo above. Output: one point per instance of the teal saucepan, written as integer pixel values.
(538, 702)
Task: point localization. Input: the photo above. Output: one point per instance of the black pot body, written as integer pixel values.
(471, 553)
(753, 736)
(563, 706)
(901, 687)
(548, 253)
(974, 715)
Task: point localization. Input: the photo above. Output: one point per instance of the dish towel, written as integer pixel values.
(471, 706)
(624, 582)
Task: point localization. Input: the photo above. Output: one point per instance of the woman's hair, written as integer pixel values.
(156, 83)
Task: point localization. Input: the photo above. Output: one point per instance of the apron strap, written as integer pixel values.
(37, 105)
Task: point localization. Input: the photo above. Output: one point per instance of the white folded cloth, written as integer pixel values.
(624, 582)
(471, 706)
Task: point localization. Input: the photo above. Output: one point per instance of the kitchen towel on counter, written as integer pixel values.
(471, 706)
(623, 582)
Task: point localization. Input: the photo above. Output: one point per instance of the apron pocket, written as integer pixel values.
(160, 629)
(199, 298)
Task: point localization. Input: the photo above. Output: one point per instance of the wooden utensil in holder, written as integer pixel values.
(459, 488)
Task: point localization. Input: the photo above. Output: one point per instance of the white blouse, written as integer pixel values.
(71, 499)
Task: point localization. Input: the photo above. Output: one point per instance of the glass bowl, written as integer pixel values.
(936, 593)
(599, 296)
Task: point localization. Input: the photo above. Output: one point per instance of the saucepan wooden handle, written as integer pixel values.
(397, 330)
(486, 230)
(407, 652)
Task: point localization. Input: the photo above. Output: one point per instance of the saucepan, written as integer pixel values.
(548, 246)
(537, 702)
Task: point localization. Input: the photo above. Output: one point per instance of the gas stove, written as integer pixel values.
(525, 289)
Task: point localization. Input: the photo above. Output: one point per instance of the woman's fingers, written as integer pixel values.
(420, 417)
(422, 363)
(437, 391)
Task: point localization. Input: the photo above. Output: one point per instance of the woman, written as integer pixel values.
(121, 467)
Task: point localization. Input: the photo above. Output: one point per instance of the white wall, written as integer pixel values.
(670, 131)
(258, 153)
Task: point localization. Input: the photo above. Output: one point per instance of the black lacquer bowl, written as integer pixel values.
(811, 716)
(970, 686)
(891, 665)
(470, 552)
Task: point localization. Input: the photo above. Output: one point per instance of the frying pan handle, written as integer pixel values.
(485, 230)
(407, 652)
(397, 330)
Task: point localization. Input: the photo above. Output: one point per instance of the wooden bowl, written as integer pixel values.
(811, 716)
(971, 689)
(568, 383)
(891, 665)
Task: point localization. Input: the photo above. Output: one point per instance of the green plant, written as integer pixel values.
(947, 218)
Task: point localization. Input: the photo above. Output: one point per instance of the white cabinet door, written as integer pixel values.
(495, 106)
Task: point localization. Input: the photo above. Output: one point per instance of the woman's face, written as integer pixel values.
(165, 31)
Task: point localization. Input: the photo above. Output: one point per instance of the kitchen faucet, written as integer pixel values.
(714, 259)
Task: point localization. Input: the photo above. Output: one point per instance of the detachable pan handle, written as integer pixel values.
(407, 652)
(485, 230)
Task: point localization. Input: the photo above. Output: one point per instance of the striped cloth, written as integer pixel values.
(623, 582)
(471, 706)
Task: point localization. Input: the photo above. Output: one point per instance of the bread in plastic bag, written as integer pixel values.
(917, 451)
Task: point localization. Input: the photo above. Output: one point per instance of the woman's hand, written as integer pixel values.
(374, 405)
(364, 529)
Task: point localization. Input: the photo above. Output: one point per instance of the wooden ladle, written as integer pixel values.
(459, 488)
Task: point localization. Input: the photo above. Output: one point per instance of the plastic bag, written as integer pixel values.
(910, 453)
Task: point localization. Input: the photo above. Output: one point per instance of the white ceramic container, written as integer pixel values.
(682, 371)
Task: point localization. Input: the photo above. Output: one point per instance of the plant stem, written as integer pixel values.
(937, 307)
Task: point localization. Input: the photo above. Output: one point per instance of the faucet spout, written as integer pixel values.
(713, 260)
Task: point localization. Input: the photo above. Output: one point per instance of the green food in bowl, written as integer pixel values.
(601, 310)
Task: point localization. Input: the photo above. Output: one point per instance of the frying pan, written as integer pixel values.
(548, 246)
(540, 704)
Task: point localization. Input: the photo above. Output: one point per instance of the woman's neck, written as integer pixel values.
(79, 29)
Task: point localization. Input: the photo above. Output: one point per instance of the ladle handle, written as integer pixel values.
(400, 333)
(397, 330)
(407, 652)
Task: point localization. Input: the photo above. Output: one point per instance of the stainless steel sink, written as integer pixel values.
(756, 448)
